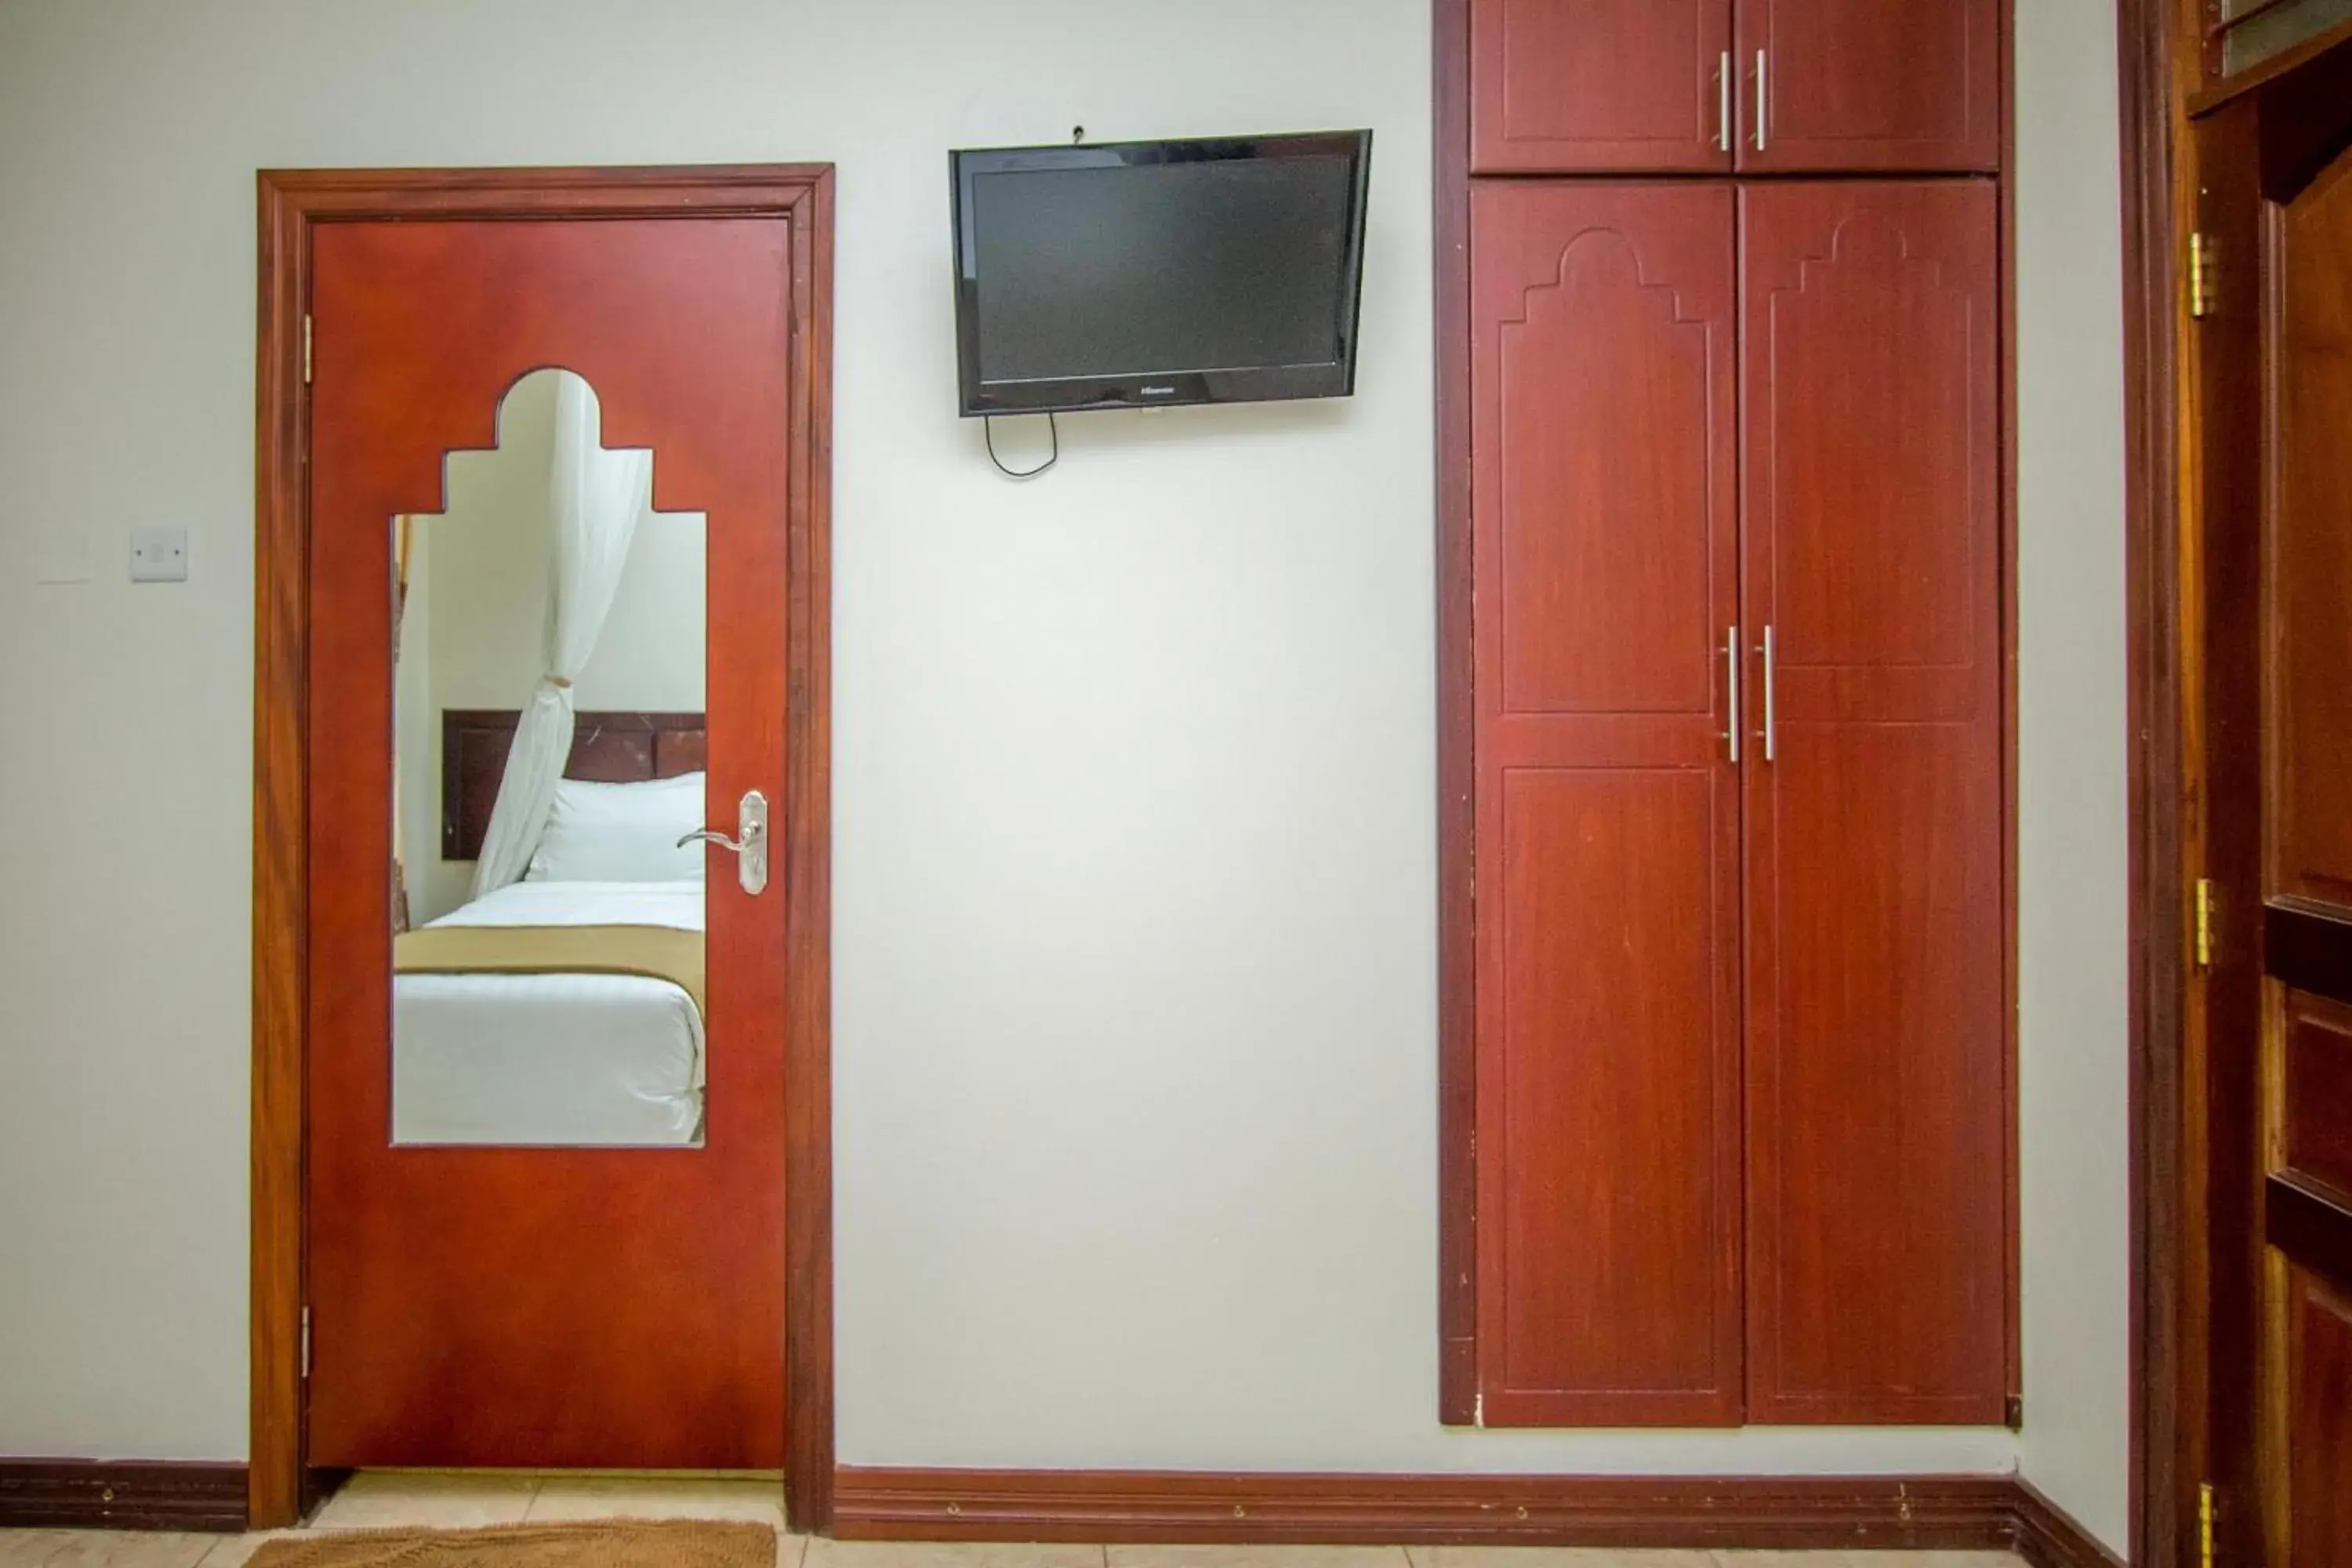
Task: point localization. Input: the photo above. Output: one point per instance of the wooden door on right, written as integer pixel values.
(1877, 1060)
(2272, 575)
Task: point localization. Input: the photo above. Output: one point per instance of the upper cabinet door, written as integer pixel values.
(1557, 85)
(1872, 85)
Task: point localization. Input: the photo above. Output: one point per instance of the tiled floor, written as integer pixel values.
(378, 1500)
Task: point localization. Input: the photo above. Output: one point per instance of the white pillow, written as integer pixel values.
(621, 832)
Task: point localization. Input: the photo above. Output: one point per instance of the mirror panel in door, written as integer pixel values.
(548, 910)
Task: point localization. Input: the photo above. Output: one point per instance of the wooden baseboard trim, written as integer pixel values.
(1944, 1512)
(2049, 1537)
(111, 1494)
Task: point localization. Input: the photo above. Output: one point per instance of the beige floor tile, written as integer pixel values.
(1868, 1560)
(236, 1551)
(382, 1500)
(823, 1553)
(29, 1548)
(129, 1548)
(1257, 1557)
(1552, 1557)
(755, 1502)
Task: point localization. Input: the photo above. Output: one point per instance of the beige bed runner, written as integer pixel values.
(657, 952)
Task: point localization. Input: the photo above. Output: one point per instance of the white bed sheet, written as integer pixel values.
(552, 1059)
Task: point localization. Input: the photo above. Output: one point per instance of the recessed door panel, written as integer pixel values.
(2319, 1425)
(1613, 1214)
(2273, 395)
(2310, 556)
(1611, 485)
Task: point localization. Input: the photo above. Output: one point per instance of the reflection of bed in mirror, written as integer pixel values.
(563, 1009)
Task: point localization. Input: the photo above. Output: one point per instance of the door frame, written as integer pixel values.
(293, 203)
(2168, 64)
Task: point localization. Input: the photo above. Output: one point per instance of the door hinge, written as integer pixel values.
(306, 1341)
(2205, 1525)
(2201, 276)
(306, 349)
(2204, 922)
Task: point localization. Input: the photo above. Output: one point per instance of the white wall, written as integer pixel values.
(1134, 994)
(2073, 843)
(490, 564)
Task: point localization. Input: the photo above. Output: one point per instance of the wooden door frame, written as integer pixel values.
(2166, 1448)
(293, 203)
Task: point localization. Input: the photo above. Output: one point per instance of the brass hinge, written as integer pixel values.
(306, 1341)
(2205, 1525)
(2204, 922)
(306, 350)
(2201, 276)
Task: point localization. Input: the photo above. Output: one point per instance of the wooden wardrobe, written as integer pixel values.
(1741, 1119)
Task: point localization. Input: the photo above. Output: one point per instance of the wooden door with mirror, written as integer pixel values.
(548, 624)
(2274, 367)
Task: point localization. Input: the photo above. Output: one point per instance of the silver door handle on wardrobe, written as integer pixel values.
(1723, 102)
(1731, 673)
(1760, 100)
(1771, 723)
(750, 843)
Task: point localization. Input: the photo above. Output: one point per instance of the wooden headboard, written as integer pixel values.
(608, 748)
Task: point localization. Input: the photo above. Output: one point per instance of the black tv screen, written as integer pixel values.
(1144, 274)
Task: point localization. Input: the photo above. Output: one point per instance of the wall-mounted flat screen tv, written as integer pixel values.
(1143, 274)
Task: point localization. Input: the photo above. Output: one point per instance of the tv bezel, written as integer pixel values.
(1158, 389)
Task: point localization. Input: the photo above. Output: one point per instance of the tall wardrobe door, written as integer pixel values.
(1604, 498)
(1905, 85)
(1557, 85)
(1877, 1064)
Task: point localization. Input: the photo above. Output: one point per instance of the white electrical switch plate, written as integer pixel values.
(159, 553)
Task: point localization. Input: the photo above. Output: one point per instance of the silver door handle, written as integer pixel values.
(1760, 100)
(750, 844)
(1731, 673)
(1771, 719)
(1723, 102)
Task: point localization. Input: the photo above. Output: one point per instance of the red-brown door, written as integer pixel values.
(1870, 85)
(543, 1305)
(2274, 358)
(1605, 496)
(1877, 1059)
(1560, 85)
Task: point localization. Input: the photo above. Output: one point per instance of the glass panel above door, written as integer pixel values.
(2254, 31)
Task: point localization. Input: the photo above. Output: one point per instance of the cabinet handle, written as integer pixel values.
(1760, 100)
(1771, 719)
(1731, 673)
(1723, 102)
